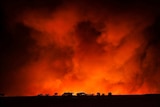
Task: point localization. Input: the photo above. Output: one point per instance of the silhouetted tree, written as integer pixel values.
(47, 95)
(40, 95)
(103, 94)
(109, 94)
(98, 94)
(55, 94)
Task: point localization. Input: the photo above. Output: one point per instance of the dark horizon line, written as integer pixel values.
(76, 95)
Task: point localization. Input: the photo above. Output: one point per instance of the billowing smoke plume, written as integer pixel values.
(80, 46)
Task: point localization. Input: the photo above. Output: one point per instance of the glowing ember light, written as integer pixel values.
(82, 51)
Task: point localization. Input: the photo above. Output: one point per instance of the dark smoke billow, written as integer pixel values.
(73, 46)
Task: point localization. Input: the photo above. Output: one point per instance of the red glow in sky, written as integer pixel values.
(90, 49)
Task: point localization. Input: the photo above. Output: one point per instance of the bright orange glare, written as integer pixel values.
(74, 54)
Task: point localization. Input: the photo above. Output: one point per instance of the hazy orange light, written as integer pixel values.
(72, 56)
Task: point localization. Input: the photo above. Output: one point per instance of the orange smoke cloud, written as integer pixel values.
(84, 49)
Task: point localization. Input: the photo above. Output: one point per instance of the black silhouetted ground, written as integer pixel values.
(82, 101)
